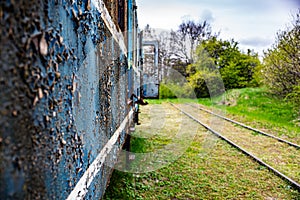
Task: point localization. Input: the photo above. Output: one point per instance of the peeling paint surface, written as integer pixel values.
(64, 87)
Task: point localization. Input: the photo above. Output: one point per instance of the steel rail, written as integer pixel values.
(295, 184)
(248, 127)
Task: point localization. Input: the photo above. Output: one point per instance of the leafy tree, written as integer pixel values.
(281, 66)
(203, 76)
(236, 68)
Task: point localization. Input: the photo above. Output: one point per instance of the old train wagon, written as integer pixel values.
(67, 71)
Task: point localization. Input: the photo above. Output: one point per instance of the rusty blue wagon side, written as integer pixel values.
(67, 70)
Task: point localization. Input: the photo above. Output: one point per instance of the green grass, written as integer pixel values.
(219, 173)
(259, 108)
(209, 168)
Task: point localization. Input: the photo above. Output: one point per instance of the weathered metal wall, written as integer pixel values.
(64, 89)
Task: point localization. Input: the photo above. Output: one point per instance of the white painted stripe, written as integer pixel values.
(85, 181)
(118, 36)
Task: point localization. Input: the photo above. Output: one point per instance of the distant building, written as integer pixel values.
(150, 78)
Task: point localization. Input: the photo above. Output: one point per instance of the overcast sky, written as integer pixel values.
(253, 23)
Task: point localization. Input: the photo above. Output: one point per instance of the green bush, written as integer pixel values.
(176, 90)
(219, 65)
(165, 92)
(294, 96)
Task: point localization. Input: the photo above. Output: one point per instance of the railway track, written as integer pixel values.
(279, 156)
(247, 127)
